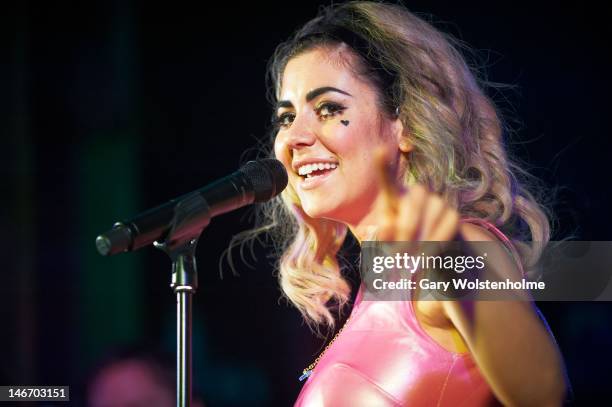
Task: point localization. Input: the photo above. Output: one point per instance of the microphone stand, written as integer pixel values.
(180, 245)
(256, 181)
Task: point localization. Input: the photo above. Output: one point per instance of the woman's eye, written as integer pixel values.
(284, 120)
(325, 111)
(328, 110)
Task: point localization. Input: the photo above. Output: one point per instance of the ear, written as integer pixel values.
(403, 141)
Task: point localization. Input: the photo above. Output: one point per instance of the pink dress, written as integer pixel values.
(383, 357)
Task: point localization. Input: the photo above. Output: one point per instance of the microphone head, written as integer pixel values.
(268, 177)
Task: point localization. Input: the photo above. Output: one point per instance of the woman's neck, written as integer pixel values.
(366, 227)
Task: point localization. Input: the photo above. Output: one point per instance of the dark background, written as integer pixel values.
(109, 108)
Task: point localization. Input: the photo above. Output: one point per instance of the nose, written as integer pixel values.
(300, 134)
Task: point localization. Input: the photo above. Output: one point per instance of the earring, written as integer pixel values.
(397, 111)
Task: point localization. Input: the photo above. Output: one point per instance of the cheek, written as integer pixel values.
(280, 150)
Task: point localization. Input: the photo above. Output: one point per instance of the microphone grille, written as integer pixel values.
(268, 177)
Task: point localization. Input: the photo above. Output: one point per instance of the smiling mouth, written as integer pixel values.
(318, 173)
(316, 170)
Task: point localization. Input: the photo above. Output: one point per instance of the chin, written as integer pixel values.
(315, 212)
(320, 211)
(328, 211)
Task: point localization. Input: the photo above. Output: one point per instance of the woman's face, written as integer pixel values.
(330, 124)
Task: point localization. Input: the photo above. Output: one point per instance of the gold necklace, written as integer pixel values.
(308, 371)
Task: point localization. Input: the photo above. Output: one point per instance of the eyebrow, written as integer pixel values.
(313, 94)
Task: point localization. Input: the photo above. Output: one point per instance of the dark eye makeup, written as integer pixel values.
(325, 111)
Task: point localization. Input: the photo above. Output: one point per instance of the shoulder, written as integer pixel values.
(501, 250)
(434, 316)
(440, 318)
(476, 233)
(502, 259)
(479, 230)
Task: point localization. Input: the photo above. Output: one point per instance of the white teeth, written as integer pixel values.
(309, 168)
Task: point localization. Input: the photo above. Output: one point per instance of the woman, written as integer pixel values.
(367, 89)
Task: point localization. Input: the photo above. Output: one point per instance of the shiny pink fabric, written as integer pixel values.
(383, 357)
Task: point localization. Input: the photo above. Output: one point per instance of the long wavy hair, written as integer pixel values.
(456, 130)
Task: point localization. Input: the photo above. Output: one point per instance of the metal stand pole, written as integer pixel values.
(184, 283)
(183, 349)
(180, 245)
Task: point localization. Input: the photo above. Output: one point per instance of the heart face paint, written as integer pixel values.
(345, 122)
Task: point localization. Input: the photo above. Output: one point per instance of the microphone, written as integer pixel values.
(187, 215)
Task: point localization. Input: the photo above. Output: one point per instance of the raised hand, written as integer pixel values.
(414, 213)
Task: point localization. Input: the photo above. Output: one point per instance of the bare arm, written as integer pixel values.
(515, 352)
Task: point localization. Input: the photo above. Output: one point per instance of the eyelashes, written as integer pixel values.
(283, 120)
(325, 111)
(328, 110)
